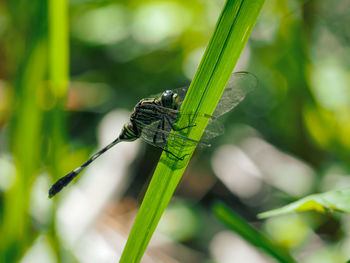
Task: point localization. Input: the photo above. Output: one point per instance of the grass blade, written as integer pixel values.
(250, 234)
(58, 69)
(58, 47)
(233, 28)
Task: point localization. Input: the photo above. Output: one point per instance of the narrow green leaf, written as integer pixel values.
(233, 28)
(329, 201)
(58, 70)
(250, 234)
(58, 47)
(58, 73)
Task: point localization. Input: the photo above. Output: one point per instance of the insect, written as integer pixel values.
(153, 119)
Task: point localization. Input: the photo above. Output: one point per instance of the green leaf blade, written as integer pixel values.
(338, 200)
(229, 38)
(250, 234)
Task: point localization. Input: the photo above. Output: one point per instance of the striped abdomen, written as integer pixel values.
(129, 132)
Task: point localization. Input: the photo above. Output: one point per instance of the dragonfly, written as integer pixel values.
(153, 120)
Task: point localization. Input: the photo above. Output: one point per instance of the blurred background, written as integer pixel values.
(287, 139)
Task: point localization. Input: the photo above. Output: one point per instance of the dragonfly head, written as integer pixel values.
(170, 99)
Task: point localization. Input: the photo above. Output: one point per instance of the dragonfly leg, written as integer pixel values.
(178, 129)
(164, 141)
(177, 157)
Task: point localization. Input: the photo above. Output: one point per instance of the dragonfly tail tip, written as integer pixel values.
(58, 186)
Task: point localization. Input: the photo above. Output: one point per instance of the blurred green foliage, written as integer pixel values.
(121, 51)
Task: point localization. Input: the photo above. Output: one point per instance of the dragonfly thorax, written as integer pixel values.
(169, 99)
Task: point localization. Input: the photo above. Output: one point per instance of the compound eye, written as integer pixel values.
(167, 98)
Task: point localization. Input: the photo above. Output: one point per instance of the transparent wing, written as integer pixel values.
(236, 89)
(158, 131)
(149, 113)
(214, 128)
